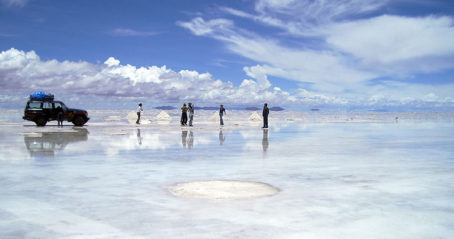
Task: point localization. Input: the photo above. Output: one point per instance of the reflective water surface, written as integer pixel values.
(335, 180)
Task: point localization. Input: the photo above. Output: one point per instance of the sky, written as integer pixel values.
(297, 54)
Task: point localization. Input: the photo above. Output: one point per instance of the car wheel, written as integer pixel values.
(41, 121)
(79, 121)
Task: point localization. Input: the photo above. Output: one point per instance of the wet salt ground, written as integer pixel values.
(114, 117)
(336, 180)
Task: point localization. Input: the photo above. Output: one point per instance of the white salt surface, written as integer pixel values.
(114, 118)
(339, 175)
(222, 189)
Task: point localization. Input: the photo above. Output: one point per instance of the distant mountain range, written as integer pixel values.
(167, 107)
(206, 108)
(275, 108)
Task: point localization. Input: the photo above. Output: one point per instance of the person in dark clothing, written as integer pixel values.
(265, 113)
(60, 116)
(139, 112)
(221, 113)
(184, 115)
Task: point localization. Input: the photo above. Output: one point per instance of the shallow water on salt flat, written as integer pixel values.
(373, 179)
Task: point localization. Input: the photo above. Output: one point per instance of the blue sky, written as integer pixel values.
(344, 54)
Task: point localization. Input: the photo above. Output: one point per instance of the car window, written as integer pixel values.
(56, 104)
(47, 105)
(34, 105)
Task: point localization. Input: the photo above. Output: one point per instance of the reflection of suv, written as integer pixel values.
(41, 111)
(47, 143)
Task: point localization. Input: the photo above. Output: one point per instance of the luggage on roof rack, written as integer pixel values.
(41, 95)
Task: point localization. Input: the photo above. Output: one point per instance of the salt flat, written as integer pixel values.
(337, 175)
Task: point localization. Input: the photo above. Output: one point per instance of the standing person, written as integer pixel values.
(191, 113)
(221, 113)
(265, 113)
(60, 116)
(139, 112)
(184, 115)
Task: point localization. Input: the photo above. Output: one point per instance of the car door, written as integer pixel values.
(63, 107)
(48, 110)
(33, 110)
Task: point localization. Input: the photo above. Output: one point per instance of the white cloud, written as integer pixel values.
(15, 3)
(318, 10)
(394, 45)
(130, 32)
(405, 95)
(259, 73)
(200, 27)
(303, 17)
(348, 45)
(26, 72)
(111, 62)
(303, 65)
(376, 47)
(319, 99)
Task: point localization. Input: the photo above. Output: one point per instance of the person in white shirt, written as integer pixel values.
(191, 113)
(139, 112)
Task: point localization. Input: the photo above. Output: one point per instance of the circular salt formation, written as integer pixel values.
(223, 190)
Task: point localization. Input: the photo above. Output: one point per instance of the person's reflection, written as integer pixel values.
(190, 140)
(184, 135)
(139, 137)
(221, 138)
(265, 140)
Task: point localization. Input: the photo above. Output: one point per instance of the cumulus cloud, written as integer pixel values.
(344, 46)
(25, 71)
